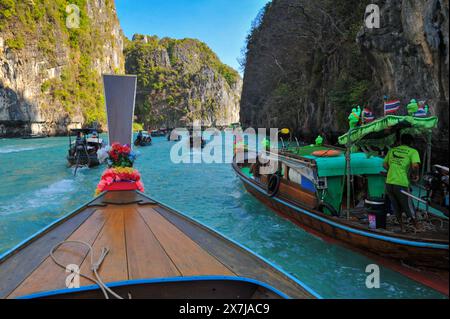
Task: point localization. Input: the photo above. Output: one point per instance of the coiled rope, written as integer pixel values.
(427, 223)
(95, 266)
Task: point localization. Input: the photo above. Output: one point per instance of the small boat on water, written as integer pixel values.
(143, 139)
(174, 136)
(124, 244)
(34, 136)
(83, 149)
(196, 142)
(158, 133)
(339, 194)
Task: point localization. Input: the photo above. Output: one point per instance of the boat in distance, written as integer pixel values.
(83, 149)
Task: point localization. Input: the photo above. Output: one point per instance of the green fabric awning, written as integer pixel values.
(382, 132)
(336, 166)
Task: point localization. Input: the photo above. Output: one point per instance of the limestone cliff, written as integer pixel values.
(409, 54)
(303, 67)
(308, 62)
(181, 81)
(51, 62)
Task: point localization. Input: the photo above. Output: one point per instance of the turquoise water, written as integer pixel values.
(36, 188)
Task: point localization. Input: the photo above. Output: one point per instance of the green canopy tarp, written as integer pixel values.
(382, 132)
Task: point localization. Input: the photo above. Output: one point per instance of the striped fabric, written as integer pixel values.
(391, 107)
(421, 113)
(423, 109)
(368, 116)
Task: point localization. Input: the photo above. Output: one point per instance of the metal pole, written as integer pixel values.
(429, 137)
(348, 167)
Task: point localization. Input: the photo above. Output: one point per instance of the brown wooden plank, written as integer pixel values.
(293, 192)
(112, 236)
(146, 257)
(189, 257)
(242, 263)
(15, 268)
(49, 276)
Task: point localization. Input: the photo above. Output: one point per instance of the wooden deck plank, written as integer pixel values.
(146, 257)
(49, 276)
(241, 262)
(112, 236)
(19, 266)
(189, 257)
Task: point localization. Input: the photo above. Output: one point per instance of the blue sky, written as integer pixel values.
(222, 24)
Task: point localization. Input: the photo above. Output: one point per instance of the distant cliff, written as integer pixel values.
(49, 73)
(308, 62)
(182, 81)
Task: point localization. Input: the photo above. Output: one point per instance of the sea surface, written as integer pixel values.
(36, 188)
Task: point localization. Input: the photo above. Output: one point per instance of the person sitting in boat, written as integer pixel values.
(81, 140)
(254, 168)
(399, 162)
(139, 137)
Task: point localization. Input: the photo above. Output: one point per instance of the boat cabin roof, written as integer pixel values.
(94, 140)
(383, 131)
(361, 163)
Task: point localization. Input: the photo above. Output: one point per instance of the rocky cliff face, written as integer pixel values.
(50, 73)
(308, 62)
(303, 67)
(409, 54)
(180, 82)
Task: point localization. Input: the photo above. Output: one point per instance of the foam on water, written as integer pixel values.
(50, 194)
(8, 150)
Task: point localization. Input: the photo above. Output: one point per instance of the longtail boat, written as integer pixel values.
(332, 192)
(83, 150)
(154, 252)
(124, 244)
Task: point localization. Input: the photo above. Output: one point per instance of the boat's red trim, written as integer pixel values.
(122, 186)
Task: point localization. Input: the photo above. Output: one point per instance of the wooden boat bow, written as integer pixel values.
(150, 246)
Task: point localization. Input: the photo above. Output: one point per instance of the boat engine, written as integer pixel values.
(436, 185)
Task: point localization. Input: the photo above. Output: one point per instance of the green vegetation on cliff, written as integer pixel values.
(304, 68)
(41, 25)
(168, 71)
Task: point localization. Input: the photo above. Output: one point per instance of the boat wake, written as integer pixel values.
(8, 150)
(56, 189)
(40, 198)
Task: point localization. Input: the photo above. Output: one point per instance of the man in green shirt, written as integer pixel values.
(400, 162)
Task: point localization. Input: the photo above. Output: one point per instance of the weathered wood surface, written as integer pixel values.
(15, 268)
(144, 240)
(50, 273)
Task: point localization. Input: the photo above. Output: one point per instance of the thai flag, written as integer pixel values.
(391, 107)
(368, 116)
(422, 112)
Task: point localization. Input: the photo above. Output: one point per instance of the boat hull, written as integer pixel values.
(413, 253)
(84, 161)
(174, 288)
(142, 144)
